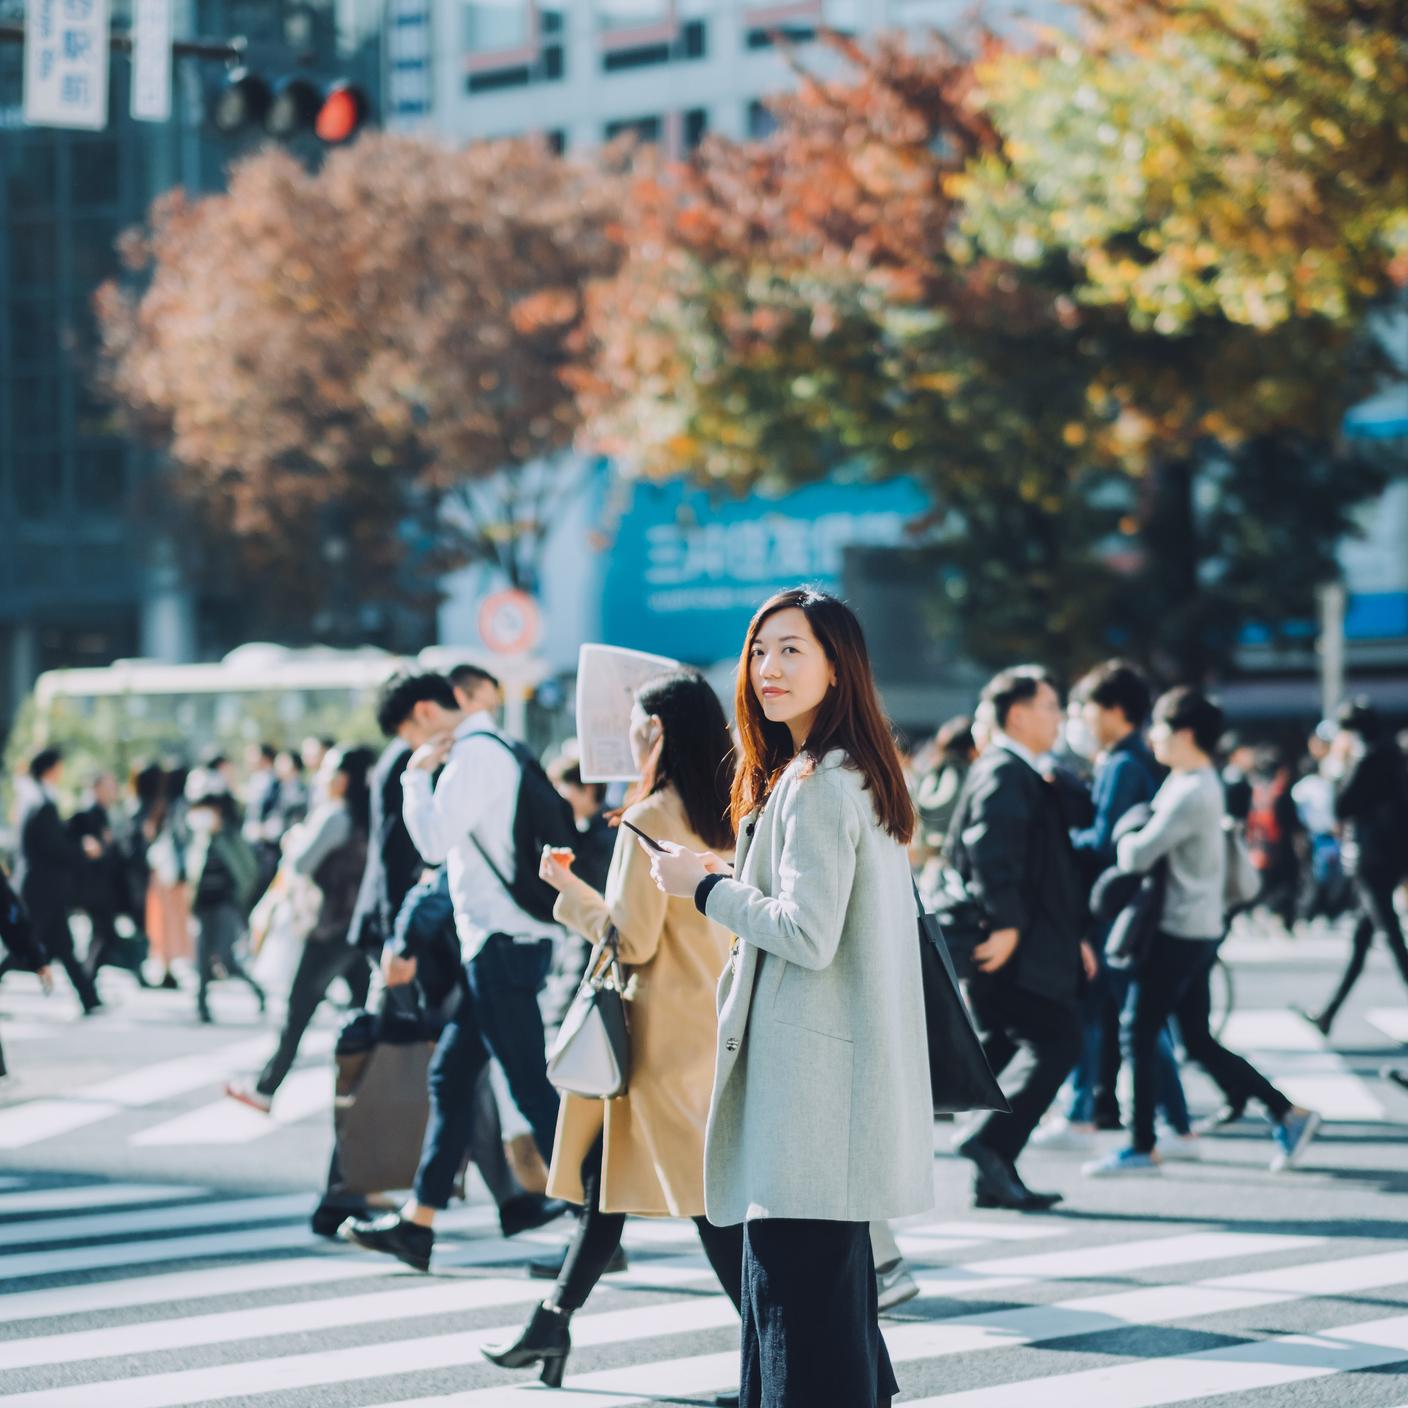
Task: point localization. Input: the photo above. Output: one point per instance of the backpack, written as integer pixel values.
(543, 817)
(1242, 883)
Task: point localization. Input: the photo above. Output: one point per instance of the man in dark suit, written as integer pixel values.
(104, 885)
(47, 874)
(1011, 844)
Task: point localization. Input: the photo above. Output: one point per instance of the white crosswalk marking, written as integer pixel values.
(72, 1358)
(1241, 1368)
(109, 1195)
(1391, 1021)
(1301, 1063)
(223, 1121)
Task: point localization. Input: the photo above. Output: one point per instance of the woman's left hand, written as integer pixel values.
(675, 870)
(555, 866)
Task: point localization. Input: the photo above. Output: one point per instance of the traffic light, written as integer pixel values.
(291, 105)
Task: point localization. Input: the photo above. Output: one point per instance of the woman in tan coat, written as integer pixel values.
(644, 1152)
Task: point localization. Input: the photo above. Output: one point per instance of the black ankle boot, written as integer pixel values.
(544, 1341)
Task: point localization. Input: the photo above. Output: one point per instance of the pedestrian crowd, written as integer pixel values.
(717, 996)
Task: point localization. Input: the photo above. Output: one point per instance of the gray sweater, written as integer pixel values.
(1186, 827)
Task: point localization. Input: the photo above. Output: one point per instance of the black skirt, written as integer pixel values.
(811, 1332)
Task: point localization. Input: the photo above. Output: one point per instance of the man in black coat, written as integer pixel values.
(1372, 808)
(47, 874)
(1011, 844)
(104, 885)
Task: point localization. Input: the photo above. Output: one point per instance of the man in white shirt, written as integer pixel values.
(465, 820)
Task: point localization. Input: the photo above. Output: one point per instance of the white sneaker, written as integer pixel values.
(893, 1286)
(1180, 1148)
(1062, 1134)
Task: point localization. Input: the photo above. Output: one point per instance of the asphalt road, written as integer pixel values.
(154, 1245)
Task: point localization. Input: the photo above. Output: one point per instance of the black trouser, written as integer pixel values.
(1377, 916)
(599, 1234)
(1011, 1019)
(811, 1332)
(107, 948)
(499, 1012)
(56, 938)
(221, 928)
(318, 966)
(1173, 981)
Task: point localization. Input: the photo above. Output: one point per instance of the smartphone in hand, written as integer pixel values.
(649, 840)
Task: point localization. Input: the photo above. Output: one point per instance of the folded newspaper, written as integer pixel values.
(607, 680)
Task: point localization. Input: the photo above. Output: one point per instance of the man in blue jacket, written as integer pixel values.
(1115, 701)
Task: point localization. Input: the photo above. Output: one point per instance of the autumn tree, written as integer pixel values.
(860, 289)
(357, 370)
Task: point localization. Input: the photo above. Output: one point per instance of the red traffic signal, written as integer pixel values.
(342, 114)
(293, 105)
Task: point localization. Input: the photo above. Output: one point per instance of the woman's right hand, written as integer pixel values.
(555, 867)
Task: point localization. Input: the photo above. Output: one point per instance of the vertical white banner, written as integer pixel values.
(151, 60)
(66, 63)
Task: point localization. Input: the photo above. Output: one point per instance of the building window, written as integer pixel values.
(101, 489)
(540, 59)
(39, 488)
(501, 31)
(34, 330)
(34, 405)
(696, 124)
(556, 140)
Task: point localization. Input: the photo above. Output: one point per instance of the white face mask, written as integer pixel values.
(1079, 738)
(201, 821)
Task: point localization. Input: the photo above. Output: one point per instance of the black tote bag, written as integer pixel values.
(958, 1070)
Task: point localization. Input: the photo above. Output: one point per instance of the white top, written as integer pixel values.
(477, 795)
(1019, 750)
(1314, 796)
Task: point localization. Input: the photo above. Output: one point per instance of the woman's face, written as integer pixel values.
(646, 733)
(789, 672)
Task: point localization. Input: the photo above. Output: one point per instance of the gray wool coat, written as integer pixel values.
(821, 1105)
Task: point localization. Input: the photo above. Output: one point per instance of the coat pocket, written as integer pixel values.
(807, 1076)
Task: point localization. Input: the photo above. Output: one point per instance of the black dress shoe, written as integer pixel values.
(523, 1214)
(394, 1236)
(545, 1340)
(1108, 1120)
(998, 1185)
(328, 1218)
(549, 1268)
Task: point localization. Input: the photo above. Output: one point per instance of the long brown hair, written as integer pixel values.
(850, 718)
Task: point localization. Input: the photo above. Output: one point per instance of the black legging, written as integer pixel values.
(599, 1234)
(1377, 916)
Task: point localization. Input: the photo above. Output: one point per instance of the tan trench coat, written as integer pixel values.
(653, 1162)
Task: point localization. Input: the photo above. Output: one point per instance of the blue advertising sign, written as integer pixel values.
(686, 569)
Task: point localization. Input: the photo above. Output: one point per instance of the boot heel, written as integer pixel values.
(553, 1370)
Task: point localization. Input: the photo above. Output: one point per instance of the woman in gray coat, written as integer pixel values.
(821, 1116)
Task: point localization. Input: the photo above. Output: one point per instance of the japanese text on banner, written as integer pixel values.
(66, 63)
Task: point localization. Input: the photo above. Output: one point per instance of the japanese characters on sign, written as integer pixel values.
(151, 60)
(66, 63)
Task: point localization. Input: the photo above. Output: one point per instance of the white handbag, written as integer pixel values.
(592, 1056)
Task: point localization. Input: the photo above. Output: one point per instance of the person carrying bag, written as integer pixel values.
(635, 1055)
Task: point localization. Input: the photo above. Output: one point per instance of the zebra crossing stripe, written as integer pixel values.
(120, 1254)
(92, 1195)
(224, 1121)
(186, 1332)
(1242, 1368)
(378, 1361)
(34, 1121)
(1304, 1065)
(999, 1329)
(126, 1224)
(1391, 1021)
